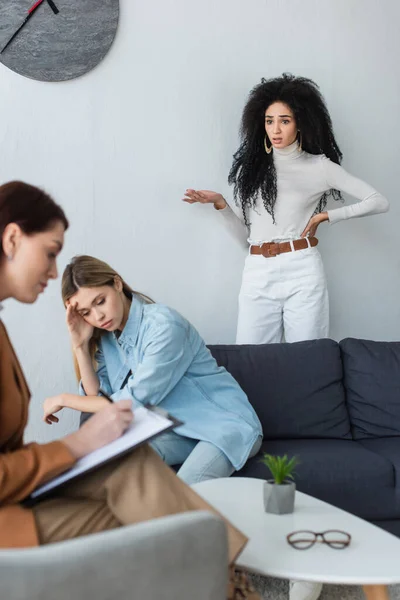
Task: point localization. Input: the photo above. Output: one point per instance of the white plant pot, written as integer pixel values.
(279, 498)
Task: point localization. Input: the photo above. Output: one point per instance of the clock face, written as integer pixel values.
(56, 46)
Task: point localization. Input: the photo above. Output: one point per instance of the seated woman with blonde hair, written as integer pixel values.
(127, 346)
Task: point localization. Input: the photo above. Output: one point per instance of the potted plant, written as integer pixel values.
(279, 492)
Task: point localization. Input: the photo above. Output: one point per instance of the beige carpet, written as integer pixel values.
(276, 589)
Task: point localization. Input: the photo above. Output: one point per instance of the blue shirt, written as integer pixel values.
(160, 358)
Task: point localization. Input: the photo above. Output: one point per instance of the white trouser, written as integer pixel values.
(283, 298)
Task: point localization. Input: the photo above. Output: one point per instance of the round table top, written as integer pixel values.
(373, 557)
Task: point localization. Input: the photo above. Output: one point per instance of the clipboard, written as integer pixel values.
(148, 423)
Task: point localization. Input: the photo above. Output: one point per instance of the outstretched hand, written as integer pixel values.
(205, 197)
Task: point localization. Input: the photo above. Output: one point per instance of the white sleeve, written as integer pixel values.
(234, 221)
(371, 201)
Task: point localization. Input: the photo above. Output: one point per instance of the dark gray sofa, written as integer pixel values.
(337, 407)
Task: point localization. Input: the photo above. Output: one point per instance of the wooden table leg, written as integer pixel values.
(376, 592)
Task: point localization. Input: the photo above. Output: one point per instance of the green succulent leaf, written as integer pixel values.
(281, 468)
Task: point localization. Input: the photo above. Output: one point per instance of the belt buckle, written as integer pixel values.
(270, 249)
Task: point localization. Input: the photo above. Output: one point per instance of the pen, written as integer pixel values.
(101, 393)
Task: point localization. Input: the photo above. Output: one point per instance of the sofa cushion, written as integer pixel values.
(372, 383)
(296, 389)
(341, 472)
(389, 448)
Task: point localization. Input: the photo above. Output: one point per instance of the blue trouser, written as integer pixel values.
(200, 460)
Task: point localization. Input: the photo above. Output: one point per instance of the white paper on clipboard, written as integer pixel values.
(146, 425)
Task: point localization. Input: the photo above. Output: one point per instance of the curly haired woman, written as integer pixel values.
(286, 167)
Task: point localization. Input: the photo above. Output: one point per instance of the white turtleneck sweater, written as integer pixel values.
(302, 178)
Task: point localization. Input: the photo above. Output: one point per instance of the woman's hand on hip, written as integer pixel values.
(313, 224)
(79, 331)
(205, 197)
(102, 428)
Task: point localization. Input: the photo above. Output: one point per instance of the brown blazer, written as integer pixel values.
(22, 467)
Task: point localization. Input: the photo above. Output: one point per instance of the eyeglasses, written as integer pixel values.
(302, 540)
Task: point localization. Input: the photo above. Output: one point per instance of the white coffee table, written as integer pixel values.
(372, 560)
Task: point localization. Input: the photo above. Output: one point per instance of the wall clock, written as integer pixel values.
(56, 40)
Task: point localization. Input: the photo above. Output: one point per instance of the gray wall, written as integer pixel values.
(118, 147)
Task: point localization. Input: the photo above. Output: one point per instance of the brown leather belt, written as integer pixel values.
(269, 249)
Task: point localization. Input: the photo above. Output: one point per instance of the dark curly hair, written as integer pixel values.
(253, 170)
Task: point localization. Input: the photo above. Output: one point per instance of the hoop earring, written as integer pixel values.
(267, 150)
(300, 142)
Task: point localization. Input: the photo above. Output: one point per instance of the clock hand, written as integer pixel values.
(31, 12)
(53, 7)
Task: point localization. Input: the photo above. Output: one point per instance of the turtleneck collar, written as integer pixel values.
(289, 153)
